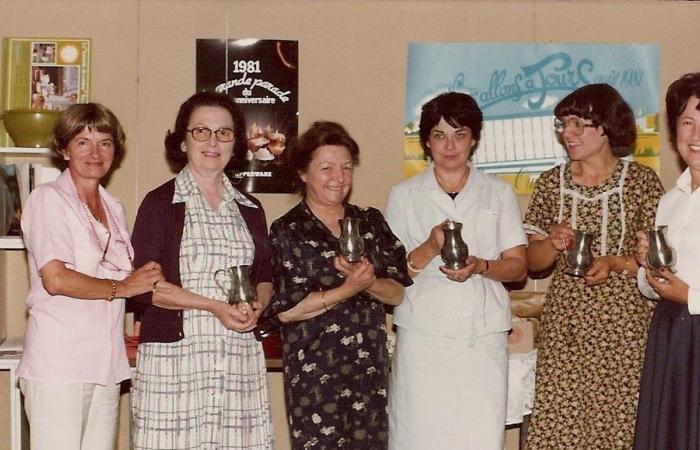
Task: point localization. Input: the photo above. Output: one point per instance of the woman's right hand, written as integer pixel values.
(436, 239)
(239, 318)
(561, 236)
(142, 280)
(641, 249)
(358, 276)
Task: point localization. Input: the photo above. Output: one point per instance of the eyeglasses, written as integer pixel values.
(203, 134)
(109, 264)
(576, 123)
(103, 261)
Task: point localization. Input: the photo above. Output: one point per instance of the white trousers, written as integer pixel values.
(71, 416)
(448, 394)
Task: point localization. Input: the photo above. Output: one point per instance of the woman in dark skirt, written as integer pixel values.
(669, 405)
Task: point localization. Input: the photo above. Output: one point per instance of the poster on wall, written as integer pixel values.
(517, 87)
(262, 77)
(44, 73)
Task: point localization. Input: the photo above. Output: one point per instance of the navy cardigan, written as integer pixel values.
(157, 236)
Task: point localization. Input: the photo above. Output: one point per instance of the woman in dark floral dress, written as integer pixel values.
(594, 328)
(334, 332)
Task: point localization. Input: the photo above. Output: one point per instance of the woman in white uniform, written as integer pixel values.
(449, 375)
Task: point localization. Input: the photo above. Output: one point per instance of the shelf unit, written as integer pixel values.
(24, 151)
(15, 242)
(11, 243)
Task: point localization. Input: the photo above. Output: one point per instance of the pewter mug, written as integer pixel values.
(240, 290)
(660, 254)
(351, 245)
(580, 256)
(454, 250)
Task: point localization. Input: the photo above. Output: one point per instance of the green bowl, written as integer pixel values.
(30, 127)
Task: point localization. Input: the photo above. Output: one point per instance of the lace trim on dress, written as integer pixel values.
(604, 198)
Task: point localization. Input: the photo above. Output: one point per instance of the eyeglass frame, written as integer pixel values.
(561, 124)
(109, 265)
(214, 132)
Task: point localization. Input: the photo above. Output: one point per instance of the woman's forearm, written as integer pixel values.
(57, 279)
(506, 269)
(541, 254)
(314, 304)
(170, 296)
(387, 290)
(421, 256)
(264, 293)
(623, 264)
(512, 266)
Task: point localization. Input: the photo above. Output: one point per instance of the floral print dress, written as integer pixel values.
(335, 364)
(592, 338)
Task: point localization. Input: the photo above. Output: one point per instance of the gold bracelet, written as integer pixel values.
(323, 300)
(113, 290)
(627, 265)
(410, 265)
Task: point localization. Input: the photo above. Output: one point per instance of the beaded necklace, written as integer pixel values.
(111, 219)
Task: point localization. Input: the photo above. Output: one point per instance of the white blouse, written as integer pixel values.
(679, 209)
(490, 214)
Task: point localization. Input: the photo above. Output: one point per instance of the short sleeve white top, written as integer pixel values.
(679, 209)
(491, 223)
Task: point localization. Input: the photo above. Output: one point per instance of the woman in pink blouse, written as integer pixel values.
(81, 269)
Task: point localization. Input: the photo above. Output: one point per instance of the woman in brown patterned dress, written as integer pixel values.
(594, 328)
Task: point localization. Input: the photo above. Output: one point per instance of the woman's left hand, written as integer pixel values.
(463, 274)
(599, 271)
(669, 286)
(360, 275)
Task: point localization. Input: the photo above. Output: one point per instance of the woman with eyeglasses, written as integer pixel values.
(81, 269)
(594, 327)
(200, 376)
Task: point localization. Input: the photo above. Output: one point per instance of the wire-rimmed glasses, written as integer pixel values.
(576, 124)
(202, 134)
(109, 265)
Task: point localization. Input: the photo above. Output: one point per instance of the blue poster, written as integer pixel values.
(517, 87)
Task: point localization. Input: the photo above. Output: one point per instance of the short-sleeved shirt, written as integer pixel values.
(68, 339)
(679, 210)
(491, 223)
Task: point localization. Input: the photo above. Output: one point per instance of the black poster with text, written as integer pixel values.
(263, 77)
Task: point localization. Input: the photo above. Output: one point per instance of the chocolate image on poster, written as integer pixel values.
(262, 76)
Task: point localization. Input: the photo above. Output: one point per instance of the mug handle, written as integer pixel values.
(216, 280)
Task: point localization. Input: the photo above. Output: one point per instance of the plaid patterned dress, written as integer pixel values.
(208, 390)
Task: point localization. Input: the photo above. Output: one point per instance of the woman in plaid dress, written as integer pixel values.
(201, 380)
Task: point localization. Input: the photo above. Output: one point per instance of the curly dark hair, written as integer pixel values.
(458, 110)
(677, 96)
(320, 133)
(605, 107)
(75, 119)
(173, 139)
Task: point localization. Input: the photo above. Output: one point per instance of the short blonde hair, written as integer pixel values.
(92, 116)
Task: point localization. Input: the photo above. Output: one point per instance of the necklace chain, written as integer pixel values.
(112, 220)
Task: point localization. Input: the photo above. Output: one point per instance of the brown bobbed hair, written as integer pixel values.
(677, 96)
(320, 133)
(174, 138)
(458, 110)
(605, 107)
(94, 117)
